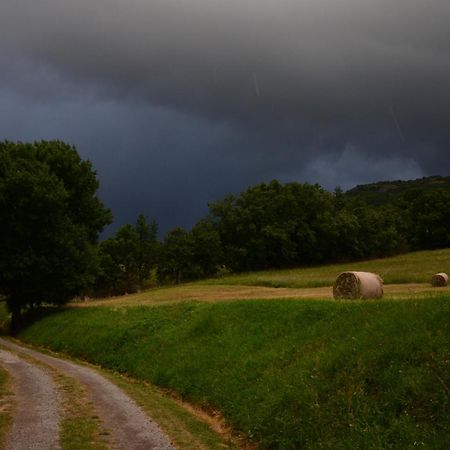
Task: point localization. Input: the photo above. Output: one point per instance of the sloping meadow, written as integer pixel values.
(414, 267)
(287, 374)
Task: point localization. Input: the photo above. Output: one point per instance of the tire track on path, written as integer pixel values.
(37, 417)
(129, 426)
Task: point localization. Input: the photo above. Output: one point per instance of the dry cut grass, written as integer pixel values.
(218, 293)
(405, 276)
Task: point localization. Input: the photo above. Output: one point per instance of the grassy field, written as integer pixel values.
(187, 427)
(415, 267)
(406, 277)
(219, 293)
(286, 366)
(286, 374)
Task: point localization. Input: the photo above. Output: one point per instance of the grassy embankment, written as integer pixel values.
(288, 374)
(80, 427)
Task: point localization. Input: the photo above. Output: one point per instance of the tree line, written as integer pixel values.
(275, 225)
(51, 220)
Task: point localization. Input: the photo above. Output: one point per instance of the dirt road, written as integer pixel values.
(128, 425)
(36, 421)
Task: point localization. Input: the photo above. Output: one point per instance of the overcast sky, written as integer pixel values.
(179, 102)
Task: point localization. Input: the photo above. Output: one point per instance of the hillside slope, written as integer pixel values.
(414, 267)
(387, 191)
(287, 374)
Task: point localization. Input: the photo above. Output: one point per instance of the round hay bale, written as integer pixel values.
(357, 285)
(439, 279)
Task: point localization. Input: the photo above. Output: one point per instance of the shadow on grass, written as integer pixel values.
(27, 318)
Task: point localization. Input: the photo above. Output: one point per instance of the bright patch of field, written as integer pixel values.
(417, 267)
(405, 276)
(218, 293)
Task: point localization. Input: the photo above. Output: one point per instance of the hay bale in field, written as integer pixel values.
(439, 279)
(356, 285)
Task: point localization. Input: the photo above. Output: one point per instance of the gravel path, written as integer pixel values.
(130, 428)
(36, 418)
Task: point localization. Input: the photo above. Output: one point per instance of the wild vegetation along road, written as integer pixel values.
(130, 428)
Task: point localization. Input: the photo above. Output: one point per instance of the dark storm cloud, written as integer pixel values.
(142, 164)
(208, 96)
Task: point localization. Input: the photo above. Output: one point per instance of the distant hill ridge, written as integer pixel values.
(385, 191)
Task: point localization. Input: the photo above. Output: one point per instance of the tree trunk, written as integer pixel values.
(15, 320)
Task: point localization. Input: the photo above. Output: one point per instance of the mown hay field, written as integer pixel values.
(405, 276)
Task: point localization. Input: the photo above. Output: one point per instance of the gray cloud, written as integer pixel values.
(207, 96)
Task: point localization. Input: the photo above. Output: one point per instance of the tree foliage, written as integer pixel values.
(50, 221)
(189, 255)
(429, 219)
(127, 258)
(275, 225)
(177, 254)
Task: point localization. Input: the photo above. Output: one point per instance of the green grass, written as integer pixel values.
(415, 267)
(80, 426)
(287, 374)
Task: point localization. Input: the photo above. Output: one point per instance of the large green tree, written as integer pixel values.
(49, 223)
